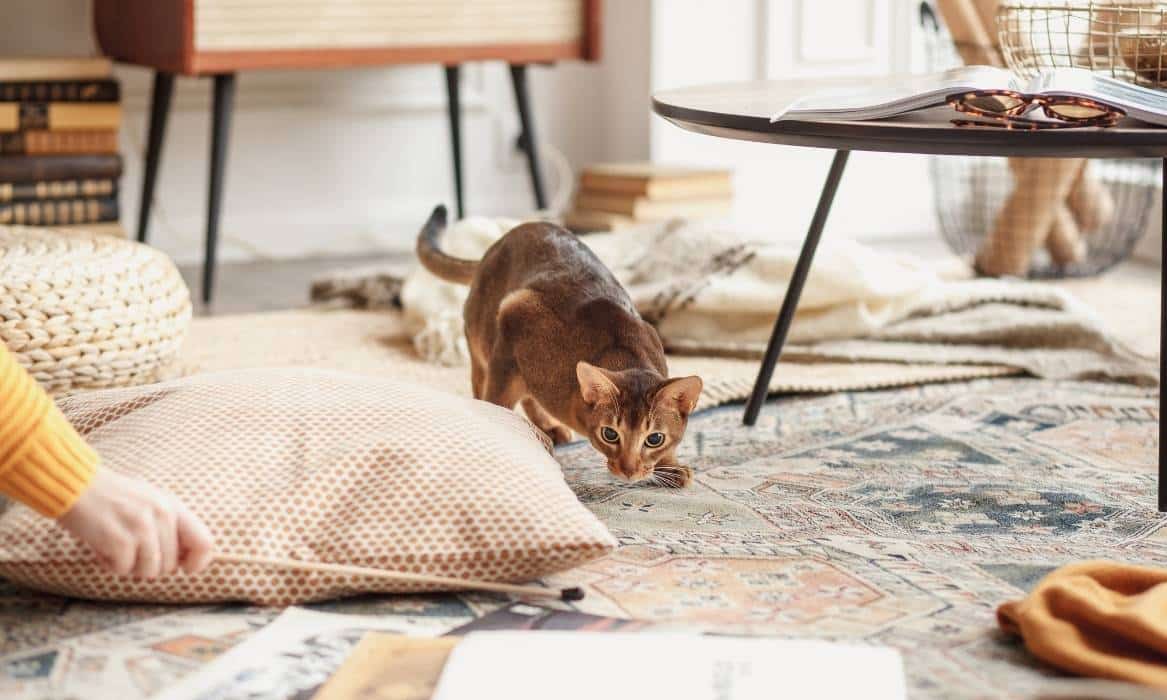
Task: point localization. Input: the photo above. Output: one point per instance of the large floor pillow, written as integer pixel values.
(323, 467)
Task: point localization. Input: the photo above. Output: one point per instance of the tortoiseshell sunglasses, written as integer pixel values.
(1006, 109)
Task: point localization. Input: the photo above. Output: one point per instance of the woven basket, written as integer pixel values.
(85, 311)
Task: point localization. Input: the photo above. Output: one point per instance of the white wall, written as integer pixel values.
(777, 187)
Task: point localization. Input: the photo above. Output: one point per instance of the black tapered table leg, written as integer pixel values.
(454, 108)
(1162, 345)
(527, 139)
(794, 290)
(224, 100)
(159, 112)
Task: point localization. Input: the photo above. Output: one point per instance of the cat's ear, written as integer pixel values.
(594, 384)
(680, 393)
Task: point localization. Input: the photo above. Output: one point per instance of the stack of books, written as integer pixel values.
(615, 195)
(59, 162)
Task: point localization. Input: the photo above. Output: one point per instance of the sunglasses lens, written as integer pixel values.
(1078, 111)
(994, 104)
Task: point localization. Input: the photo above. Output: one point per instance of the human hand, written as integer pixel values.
(138, 529)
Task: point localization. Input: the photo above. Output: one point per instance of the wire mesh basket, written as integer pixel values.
(1125, 40)
(1038, 217)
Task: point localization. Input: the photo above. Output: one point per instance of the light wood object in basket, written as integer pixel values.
(86, 310)
(219, 38)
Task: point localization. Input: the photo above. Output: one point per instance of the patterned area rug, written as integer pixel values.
(897, 517)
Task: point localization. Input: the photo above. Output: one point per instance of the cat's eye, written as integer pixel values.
(655, 439)
(610, 435)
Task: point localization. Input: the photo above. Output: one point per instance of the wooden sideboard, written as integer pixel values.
(218, 38)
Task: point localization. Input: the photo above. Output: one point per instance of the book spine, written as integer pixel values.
(25, 116)
(106, 166)
(56, 68)
(60, 91)
(44, 142)
(64, 211)
(56, 189)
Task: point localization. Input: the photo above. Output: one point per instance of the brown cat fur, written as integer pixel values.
(548, 326)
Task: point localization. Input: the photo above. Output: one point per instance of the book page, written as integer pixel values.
(1138, 102)
(886, 98)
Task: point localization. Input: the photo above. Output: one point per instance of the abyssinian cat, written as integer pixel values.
(548, 326)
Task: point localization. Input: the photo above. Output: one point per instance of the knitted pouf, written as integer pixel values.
(86, 310)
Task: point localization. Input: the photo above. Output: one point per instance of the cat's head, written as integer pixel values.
(635, 418)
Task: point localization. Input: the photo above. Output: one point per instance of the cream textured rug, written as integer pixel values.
(379, 343)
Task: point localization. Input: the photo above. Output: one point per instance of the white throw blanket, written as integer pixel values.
(696, 281)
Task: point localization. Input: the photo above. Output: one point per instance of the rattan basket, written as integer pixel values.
(85, 310)
(970, 192)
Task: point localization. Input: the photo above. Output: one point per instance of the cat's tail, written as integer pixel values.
(432, 258)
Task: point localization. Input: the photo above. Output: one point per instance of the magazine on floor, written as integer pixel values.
(903, 95)
(523, 616)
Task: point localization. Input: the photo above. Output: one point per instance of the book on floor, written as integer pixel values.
(28, 69)
(57, 189)
(49, 212)
(656, 181)
(59, 116)
(902, 95)
(59, 91)
(645, 209)
(584, 220)
(41, 142)
(389, 667)
(523, 616)
(60, 167)
(581, 666)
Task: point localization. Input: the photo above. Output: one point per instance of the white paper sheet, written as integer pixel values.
(583, 666)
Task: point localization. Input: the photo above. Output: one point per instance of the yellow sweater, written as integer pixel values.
(44, 463)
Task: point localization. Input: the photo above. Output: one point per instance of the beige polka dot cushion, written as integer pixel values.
(323, 467)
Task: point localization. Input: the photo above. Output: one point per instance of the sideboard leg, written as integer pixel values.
(454, 108)
(527, 139)
(1162, 345)
(159, 111)
(224, 99)
(794, 290)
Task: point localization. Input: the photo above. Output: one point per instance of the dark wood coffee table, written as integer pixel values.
(743, 111)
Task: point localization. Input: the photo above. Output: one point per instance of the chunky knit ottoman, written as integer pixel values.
(86, 310)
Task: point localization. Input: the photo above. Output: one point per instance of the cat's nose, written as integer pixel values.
(629, 469)
(622, 469)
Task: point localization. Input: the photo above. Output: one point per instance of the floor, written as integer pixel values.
(283, 284)
(268, 285)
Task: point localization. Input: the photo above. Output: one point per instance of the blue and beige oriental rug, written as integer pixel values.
(899, 517)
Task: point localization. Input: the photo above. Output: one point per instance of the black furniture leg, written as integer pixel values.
(224, 100)
(527, 139)
(794, 291)
(454, 107)
(1162, 345)
(159, 112)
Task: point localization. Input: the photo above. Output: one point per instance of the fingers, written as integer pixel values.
(194, 542)
(167, 541)
(148, 563)
(119, 553)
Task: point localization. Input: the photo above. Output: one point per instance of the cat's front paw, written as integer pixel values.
(673, 476)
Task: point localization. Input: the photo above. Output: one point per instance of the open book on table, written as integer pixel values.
(913, 93)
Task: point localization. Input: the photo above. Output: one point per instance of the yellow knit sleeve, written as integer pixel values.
(44, 463)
